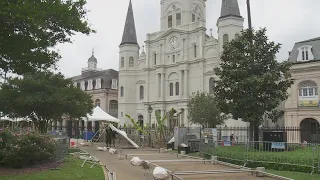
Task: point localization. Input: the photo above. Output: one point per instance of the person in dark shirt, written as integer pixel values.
(108, 137)
(114, 135)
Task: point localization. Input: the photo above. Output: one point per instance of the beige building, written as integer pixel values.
(102, 85)
(302, 107)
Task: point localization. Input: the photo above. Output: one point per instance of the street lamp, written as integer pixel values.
(149, 128)
(150, 111)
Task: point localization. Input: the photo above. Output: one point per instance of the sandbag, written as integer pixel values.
(112, 151)
(160, 173)
(104, 149)
(136, 161)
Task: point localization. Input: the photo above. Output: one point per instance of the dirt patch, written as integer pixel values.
(31, 169)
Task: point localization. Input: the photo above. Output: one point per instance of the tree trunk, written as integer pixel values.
(256, 136)
(250, 132)
(42, 126)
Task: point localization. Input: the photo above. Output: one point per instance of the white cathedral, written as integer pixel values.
(178, 60)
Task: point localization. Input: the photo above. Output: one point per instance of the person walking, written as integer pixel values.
(108, 136)
(114, 135)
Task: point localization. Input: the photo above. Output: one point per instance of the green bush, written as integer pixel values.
(301, 159)
(18, 150)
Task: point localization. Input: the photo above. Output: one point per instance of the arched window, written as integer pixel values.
(236, 36)
(211, 85)
(178, 19)
(195, 50)
(86, 85)
(171, 89)
(170, 21)
(131, 62)
(98, 102)
(177, 88)
(225, 38)
(141, 92)
(121, 91)
(308, 89)
(122, 62)
(155, 58)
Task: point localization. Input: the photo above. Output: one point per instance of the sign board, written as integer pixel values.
(277, 145)
(226, 143)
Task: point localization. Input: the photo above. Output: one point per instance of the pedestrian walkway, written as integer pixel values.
(122, 168)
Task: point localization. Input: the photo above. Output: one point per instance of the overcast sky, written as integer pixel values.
(287, 22)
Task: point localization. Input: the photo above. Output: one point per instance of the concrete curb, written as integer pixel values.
(104, 169)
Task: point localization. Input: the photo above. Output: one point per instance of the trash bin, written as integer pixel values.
(170, 145)
(183, 147)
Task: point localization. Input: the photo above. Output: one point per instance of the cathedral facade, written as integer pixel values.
(175, 62)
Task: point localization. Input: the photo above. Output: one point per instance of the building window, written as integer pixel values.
(170, 21)
(173, 58)
(225, 38)
(178, 19)
(98, 102)
(308, 89)
(193, 17)
(195, 51)
(177, 88)
(236, 36)
(114, 84)
(131, 62)
(86, 85)
(171, 89)
(141, 92)
(113, 105)
(94, 83)
(121, 91)
(305, 54)
(122, 62)
(155, 59)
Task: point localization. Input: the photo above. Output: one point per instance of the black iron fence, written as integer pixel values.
(238, 134)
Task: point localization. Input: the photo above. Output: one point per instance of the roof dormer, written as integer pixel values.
(305, 53)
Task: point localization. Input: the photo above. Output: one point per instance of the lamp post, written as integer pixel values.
(149, 128)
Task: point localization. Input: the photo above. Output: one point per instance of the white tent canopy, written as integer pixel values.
(6, 118)
(99, 115)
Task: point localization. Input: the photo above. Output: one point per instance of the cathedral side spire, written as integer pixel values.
(129, 33)
(230, 8)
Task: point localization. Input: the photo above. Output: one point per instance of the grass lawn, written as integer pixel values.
(295, 175)
(70, 170)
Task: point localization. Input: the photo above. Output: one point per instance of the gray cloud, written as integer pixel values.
(287, 21)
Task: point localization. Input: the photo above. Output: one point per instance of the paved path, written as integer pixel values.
(123, 169)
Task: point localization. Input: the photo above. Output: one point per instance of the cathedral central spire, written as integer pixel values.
(129, 33)
(230, 8)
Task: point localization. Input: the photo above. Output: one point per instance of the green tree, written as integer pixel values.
(251, 81)
(30, 29)
(43, 96)
(160, 128)
(203, 110)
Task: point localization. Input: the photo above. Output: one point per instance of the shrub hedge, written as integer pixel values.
(301, 160)
(18, 150)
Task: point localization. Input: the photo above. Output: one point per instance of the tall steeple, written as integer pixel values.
(129, 33)
(230, 8)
